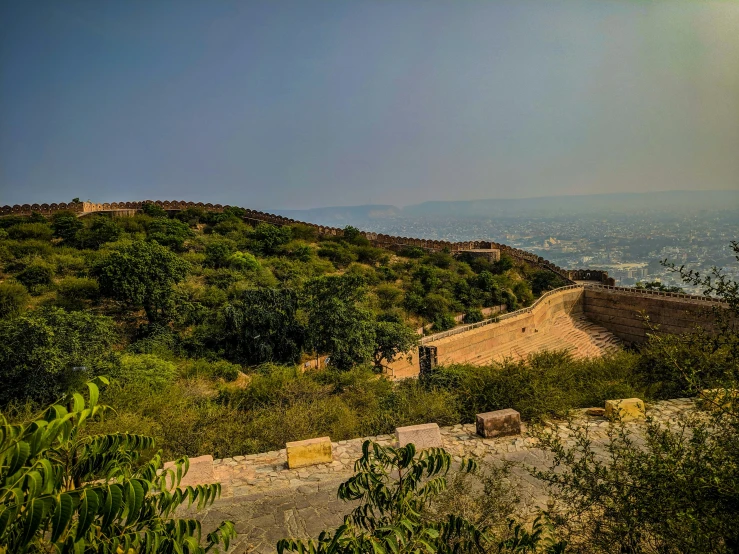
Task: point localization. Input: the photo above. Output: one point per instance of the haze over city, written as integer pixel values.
(296, 105)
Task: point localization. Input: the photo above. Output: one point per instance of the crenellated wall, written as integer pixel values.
(377, 239)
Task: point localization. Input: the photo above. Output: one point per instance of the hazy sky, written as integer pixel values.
(279, 104)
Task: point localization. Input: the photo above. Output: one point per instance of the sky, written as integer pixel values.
(280, 104)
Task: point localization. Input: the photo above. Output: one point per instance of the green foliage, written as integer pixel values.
(97, 231)
(217, 252)
(262, 327)
(394, 488)
(546, 384)
(13, 299)
(473, 316)
(142, 274)
(656, 285)
(392, 339)
(243, 261)
(267, 238)
(338, 325)
(74, 292)
(40, 350)
(543, 280)
(146, 369)
(169, 232)
(354, 236)
(443, 322)
(153, 210)
(65, 226)
(338, 253)
(213, 369)
(64, 491)
(38, 231)
(36, 276)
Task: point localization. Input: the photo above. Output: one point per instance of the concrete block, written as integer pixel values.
(200, 472)
(426, 435)
(499, 423)
(309, 452)
(626, 409)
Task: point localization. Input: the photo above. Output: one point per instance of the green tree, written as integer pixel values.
(656, 285)
(13, 299)
(169, 232)
(543, 280)
(392, 339)
(267, 238)
(100, 230)
(262, 327)
(36, 276)
(64, 491)
(65, 226)
(337, 324)
(142, 274)
(40, 350)
(153, 210)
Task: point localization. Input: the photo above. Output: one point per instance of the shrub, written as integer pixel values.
(473, 315)
(38, 231)
(267, 238)
(13, 299)
(83, 492)
(99, 231)
(218, 251)
(65, 226)
(39, 351)
(218, 369)
(443, 322)
(145, 369)
(74, 291)
(169, 232)
(35, 276)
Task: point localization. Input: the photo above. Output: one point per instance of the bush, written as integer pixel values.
(13, 299)
(443, 322)
(473, 315)
(218, 251)
(169, 232)
(218, 369)
(35, 276)
(99, 231)
(39, 351)
(145, 369)
(65, 226)
(74, 291)
(38, 231)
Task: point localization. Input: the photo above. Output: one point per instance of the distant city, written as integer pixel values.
(629, 246)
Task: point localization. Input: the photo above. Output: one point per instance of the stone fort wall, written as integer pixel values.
(619, 310)
(377, 239)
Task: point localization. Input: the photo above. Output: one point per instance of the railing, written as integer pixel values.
(484, 322)
(649, 292)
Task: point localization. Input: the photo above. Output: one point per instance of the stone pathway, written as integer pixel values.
(268, 501)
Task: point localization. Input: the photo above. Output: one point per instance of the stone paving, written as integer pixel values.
(268, 501)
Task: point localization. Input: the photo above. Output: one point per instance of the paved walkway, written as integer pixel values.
(268, 502)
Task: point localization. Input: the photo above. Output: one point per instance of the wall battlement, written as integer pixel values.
(377, 239)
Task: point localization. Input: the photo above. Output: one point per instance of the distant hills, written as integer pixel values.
(549, 206)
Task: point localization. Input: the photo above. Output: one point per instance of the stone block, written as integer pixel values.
(500, 423)
(426, 435)
(309, 452)
(200, 471)
(626, 409)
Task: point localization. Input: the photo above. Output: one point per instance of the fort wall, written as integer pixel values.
(254, 216)
(622, 310)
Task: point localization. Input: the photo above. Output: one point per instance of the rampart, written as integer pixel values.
(377, 239)
(622, 310)
(619, 310)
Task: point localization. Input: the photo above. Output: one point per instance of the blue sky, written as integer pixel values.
(280, 104)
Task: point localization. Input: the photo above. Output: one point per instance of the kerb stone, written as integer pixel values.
(426, 435)
(309, 452)
(200, 472)
(625, 409)
(499, 423)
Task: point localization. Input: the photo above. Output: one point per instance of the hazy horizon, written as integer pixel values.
(302, 105)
